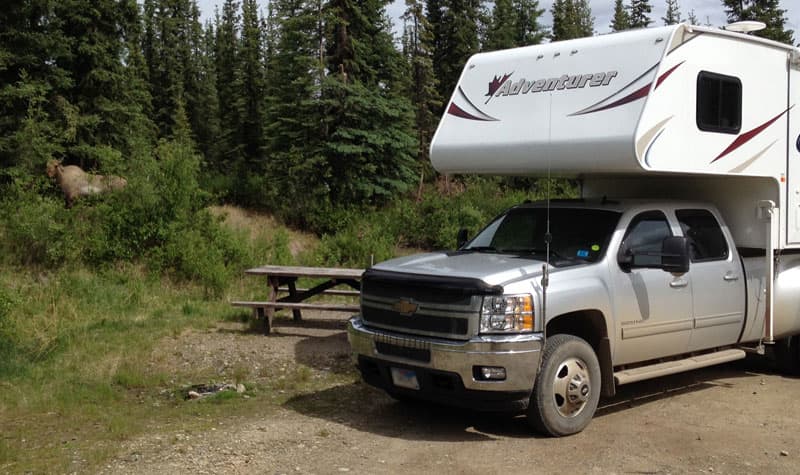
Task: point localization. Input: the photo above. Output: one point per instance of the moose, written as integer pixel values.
(75, 182)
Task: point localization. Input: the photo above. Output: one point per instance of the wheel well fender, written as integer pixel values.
(591, 326)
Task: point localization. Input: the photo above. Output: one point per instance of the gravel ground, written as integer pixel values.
(737, 418)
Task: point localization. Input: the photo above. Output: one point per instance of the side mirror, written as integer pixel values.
(675, 255)
(625, 257)
(462, 238)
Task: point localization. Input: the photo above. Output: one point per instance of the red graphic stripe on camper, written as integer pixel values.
(749, 135)
(666, 74)
(637, 94)
(459, 112)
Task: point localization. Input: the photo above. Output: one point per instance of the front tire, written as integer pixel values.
(567, 388)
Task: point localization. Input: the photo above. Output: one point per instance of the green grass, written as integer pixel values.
(75, 372)
(77, 378)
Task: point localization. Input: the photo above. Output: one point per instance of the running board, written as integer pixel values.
(678, 366)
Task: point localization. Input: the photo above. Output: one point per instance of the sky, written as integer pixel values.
(602, 10)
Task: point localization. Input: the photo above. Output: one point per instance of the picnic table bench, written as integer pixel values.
(283, 279)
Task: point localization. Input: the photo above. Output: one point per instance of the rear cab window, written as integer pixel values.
(706, 240)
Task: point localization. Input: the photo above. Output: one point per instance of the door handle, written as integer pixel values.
(730, 277)
(677, 284)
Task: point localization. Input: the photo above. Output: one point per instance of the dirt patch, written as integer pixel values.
(259, 225)
(737, 418)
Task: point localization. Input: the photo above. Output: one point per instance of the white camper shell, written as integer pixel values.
(673, 112)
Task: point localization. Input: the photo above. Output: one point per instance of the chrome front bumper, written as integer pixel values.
(518, 354)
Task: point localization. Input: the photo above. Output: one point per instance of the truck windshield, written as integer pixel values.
(578, 235)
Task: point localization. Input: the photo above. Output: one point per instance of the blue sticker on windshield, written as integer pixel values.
(583, 253)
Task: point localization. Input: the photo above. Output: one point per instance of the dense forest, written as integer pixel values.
(304, 108)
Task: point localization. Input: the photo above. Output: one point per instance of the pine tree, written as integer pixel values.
(229, 85)
(571, 19)
(514, 23)
(672, 16)
(368, 142)
(207, 131)
(418, 50)
(162, 19)
(502, 32)
(101, 91)
(34, 113)
(766, 11)
(692, 18)
(455, 38)
(142, 130)
(253, 82)
(295, 128)
(621, 19)
(640, 13)
(191, 51)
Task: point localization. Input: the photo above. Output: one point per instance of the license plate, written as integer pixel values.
(405, 378)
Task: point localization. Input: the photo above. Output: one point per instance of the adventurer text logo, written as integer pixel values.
(505, 86)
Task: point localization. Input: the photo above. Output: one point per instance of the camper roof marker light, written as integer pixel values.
(746, 26)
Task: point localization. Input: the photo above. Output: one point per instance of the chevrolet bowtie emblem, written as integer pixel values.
(405, 307)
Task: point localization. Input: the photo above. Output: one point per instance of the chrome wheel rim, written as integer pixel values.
(571, 387)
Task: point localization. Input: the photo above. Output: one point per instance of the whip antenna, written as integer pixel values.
(547, 236)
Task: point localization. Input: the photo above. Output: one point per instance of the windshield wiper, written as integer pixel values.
(480, 249)
(535, 251)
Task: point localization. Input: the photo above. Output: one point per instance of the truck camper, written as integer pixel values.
(682, 251)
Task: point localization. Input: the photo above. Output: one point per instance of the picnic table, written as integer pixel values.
(283, 279)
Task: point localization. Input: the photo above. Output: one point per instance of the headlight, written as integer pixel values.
(507, 314)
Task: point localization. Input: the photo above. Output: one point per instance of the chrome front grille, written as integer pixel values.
(419, 321)
(419, 310)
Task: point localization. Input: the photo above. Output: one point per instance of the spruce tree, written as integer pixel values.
(207, 130)
(369, 142)
(501, 33)
(162, 39)
(107, 106)
(692, 18)
(621, 19)
(34, 112)
(418, 50)
(528, 30)
(229, 85)
(294, 126)
(141, 130)
(672, 16)
(766, 11)
(252, 67)
(455, 26)
(191, 55)
(640, 13)
(571, 19)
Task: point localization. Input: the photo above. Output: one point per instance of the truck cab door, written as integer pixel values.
(718, 297)
(653, 308)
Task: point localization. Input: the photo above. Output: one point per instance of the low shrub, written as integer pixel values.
(160, 217)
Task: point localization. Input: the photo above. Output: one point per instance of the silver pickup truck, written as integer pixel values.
(551, 306)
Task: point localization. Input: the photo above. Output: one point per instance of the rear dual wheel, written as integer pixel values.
(567, 388)
(787, 354)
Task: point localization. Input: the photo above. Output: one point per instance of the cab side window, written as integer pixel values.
(644, 236)
(706, 241)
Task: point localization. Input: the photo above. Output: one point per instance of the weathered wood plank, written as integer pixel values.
(346, 293)
(303, 306)
(312, 272)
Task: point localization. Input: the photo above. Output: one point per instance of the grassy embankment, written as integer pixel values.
(77, 376)
(77, 370)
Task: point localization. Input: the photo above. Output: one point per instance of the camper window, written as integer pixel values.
(719, 103)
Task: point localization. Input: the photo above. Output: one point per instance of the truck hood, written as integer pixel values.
(494, 269)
